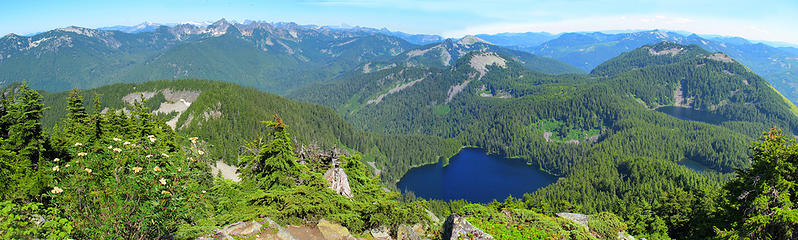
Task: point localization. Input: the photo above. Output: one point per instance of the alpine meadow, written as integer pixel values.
(510, 120)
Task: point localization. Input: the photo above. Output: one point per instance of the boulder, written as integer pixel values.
(457, 227)
(338, 181)
(333, 231)
(381, 233)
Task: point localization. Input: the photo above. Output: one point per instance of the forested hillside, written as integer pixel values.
(587, 50)
(226, 116)
(600, 133)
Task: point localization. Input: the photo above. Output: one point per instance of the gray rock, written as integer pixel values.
(381, 233)
(457, 227)
(338, 181)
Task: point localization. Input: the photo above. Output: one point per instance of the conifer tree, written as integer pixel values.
(760, 203)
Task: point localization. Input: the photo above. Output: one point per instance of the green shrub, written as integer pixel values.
(606, 225)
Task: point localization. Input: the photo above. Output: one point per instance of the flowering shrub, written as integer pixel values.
(123, 175)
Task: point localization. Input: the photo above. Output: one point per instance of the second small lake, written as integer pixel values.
(691, 114)
(475, 176)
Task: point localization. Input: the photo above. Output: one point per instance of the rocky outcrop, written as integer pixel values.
(338, 181)
(251, 230)
(580, 219)
(457, 227)
(333, 231)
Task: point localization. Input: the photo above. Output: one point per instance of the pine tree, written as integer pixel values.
(760, 201)
(275, 165)
(22, 142)
(75, 108)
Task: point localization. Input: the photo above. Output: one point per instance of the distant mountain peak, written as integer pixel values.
(471, 39)
(11, 35)
(220, 22)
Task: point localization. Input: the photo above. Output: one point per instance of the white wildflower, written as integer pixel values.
(88, 170)
(117, 139)
(165, 155)
(156, 168)
(126, 143)
(81, 154)
(117, 150)
(57, 190)
(136, 169)
(193, 139)
(56, 168)
(56, 160)
(77, 144)
(163, 181)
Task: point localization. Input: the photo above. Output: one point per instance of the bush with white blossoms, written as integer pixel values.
(126, 178)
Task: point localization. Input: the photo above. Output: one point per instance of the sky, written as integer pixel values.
(769, 20)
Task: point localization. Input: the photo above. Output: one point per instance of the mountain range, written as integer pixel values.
(274, 57)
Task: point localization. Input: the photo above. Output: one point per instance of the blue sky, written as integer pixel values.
(758, 20)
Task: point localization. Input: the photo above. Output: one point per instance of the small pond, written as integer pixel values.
(695, 166)
(692, 114)
(475, 176)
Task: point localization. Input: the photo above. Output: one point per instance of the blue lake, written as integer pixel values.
(475, 176)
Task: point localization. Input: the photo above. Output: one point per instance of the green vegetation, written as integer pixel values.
(113, 174)
(560, 132)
